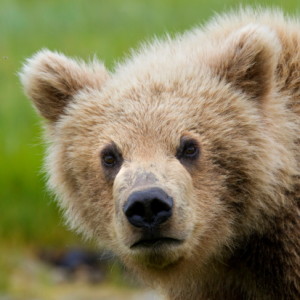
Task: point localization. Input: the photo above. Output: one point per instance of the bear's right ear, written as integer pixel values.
(51, 79)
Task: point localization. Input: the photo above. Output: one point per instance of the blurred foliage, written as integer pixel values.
(79, 28)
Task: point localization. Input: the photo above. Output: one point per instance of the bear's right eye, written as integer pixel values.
(109, 160)
(111, 157)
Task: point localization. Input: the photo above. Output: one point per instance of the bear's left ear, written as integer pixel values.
(248, 59)
(51, 79)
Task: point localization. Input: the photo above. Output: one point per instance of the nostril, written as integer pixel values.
(158, 206)
(137, 208)
(148, 208)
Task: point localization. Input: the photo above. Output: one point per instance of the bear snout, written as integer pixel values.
(149, 208)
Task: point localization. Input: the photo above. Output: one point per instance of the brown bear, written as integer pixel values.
(185, 160)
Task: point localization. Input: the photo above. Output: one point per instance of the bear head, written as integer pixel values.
(168, 159)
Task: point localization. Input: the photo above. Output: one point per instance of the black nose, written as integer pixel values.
(148, 208)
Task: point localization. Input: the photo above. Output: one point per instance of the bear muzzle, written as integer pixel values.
(147, 210)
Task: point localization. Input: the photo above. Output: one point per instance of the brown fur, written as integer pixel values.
(232, 86)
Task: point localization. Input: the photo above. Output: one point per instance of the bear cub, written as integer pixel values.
(184, 160)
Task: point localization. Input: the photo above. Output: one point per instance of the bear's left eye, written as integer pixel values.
(188, 149)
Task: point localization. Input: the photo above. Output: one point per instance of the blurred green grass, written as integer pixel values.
(78, 28)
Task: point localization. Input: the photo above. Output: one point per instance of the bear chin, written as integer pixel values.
(159, 260)
(159, 254)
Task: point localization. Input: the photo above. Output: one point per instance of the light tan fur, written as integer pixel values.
(233, 86)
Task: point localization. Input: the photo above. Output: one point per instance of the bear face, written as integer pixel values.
(170, 160)
(148, 154)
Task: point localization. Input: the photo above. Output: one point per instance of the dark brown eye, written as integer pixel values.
(188, 150)
(111, 157)
(109, 160)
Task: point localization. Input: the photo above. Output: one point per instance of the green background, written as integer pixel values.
(107, 29)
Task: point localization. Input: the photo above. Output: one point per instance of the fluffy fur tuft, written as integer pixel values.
(51, 80)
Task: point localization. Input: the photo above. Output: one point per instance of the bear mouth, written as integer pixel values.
(155, 242)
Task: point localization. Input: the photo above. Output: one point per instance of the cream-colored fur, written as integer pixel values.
(232, 86)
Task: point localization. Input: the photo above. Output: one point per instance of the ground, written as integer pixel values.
(27, 278)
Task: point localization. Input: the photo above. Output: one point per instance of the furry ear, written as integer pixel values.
(51, 80)
(248, 60)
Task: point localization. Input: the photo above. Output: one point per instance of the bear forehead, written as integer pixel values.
(148, 112)
(142, 107)
(130, 120)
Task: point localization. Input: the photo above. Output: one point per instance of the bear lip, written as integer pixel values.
(155, 242)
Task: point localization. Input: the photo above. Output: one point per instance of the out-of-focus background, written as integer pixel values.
(39, 258)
